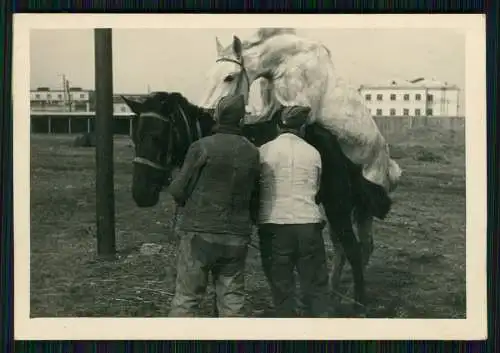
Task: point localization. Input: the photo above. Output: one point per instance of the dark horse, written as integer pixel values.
(167, 123)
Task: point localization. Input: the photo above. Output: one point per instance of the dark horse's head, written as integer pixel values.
(163, 131)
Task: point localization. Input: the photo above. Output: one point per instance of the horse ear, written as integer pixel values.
(237, 47)
(135, 106)
(218, 46)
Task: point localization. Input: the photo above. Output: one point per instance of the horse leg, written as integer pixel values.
(339, 260)
(364, 223)
(343, 227)
(215, 308)
(339, 257)
(338, 254)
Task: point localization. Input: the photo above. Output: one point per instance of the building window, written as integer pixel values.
(428, 112)
(123, 109)
(406, 97)
(392, 111)
(379, 111)
(379, 97)
(430, 97)
(368, 97)
(417, 112)
(82, 96)
(59, 96)
(37, 96)
(49, 96)
(393, 97)
(418, 97)
(406, 111)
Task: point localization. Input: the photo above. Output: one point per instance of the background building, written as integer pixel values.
(419, 97)
(74, 99)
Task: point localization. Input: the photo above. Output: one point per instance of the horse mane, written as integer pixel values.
(264, 34)
(194, 113)
(192, 110)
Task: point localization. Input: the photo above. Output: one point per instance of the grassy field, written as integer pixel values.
(417, 269)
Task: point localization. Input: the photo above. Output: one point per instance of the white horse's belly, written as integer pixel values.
(342, 111)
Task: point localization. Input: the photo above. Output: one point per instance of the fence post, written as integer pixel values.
(105, 199)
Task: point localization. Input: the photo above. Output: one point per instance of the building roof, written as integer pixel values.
(431, 83)
(419, 82)
(46, 90)
(72, 89)
(79, 89)
(117, 97)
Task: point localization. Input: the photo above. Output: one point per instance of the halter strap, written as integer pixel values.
(141, 160)
(186, 121)
(240, 64)
(188, 127)
(156, 116)
(198, 128)
(230, 60)
(147, 162)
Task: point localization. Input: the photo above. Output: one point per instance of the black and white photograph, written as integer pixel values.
(259, 167)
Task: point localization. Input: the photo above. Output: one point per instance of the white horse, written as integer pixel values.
(302, 73)
(299, 71)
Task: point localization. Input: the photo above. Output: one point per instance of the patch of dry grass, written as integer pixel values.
(417, 269)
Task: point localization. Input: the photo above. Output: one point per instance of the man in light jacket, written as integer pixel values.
(290, 220)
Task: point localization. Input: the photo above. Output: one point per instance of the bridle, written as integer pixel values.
(243, 72)
(171, 132)
(170, 119)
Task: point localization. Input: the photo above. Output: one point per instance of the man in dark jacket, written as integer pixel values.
(217, 189)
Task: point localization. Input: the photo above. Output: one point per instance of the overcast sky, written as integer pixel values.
(178, 59)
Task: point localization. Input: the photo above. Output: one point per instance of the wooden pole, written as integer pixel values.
(105, 198)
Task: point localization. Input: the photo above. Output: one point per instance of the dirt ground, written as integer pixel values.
(417, 269)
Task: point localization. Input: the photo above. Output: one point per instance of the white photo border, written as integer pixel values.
(472, 328)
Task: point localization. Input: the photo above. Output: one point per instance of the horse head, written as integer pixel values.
(229, 74)
(241, 63)
(156, 142)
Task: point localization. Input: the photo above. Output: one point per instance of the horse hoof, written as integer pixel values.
(359, 309)
(361, 312)
(360, 300)
(335, 301)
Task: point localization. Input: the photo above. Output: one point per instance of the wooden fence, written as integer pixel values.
(397, 125)
(77, 123)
